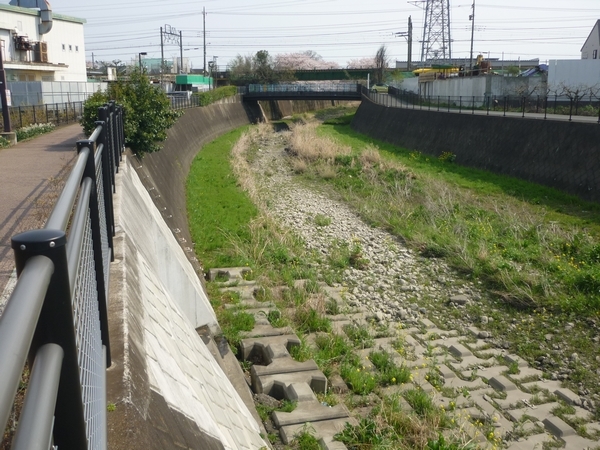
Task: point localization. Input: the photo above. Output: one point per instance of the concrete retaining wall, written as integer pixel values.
(168, 388)
(559, 154)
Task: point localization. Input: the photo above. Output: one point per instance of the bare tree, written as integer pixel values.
(381, 63)
(575, 93)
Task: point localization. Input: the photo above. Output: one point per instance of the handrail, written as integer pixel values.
(56, 317)
(59, 217)
(37, 417)
(17, 326)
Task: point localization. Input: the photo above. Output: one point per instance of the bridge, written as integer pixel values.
(293, 91)
(68, 402)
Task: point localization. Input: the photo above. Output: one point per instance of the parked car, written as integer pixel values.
(380, 88)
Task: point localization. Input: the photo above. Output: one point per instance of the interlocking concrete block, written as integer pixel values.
(427, 323)
(568, 396)
(257, 346)
(536, 441)
(501, 383)
(309, 412)
(526, 373)
(494, 416)
(274, 385)
(558, 427)
(283, 365)
(338, 385)
(460, 351)
(321, 430)
(579, 442)
(539, 412)
(514, 359)
(229, 273)
(543, 385)
(300, 392)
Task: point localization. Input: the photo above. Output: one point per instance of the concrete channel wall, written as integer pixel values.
(559, 154)
(171, 385)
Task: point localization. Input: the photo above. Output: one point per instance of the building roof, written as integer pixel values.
(35, 12)
(596, 30)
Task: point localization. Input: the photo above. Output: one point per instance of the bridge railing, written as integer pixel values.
(515, 105)
(56, 317)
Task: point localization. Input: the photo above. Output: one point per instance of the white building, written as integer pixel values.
(591, 47)
(38, 45)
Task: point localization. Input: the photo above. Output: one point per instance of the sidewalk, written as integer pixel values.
(31, 176)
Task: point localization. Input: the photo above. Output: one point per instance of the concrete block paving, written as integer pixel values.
(479, 386)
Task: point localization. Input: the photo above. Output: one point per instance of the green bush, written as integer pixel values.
(208, 97)
(148, 113)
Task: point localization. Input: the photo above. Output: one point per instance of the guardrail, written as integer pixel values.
(515, 105)
(303, 91)
(56, 318)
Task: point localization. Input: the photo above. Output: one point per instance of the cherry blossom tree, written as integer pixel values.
(308, 60)
(362, 63)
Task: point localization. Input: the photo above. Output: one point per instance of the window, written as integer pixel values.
(594, 54)
(70, 48)
(64, 47)
(77, 48)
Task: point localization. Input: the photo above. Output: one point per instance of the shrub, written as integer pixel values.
(208, 97)
(34, 130)
(148, 113)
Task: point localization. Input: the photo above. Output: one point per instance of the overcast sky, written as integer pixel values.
(338, 30)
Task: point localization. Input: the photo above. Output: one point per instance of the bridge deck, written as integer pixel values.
(330, 91)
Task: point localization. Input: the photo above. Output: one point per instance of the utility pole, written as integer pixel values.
(472, 19)
(204, 36)
(408, 36)
(162, 57)
(181, 52)
(410, 31)
(3, 97)
(93, 62)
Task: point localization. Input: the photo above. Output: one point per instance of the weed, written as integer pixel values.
(322, 221)
(110, 407)
(276, 319)
(390, 373)
(367, 432)
(308, 320)
(305, 439)
(359, 380)
(359, 336)
(420, 402)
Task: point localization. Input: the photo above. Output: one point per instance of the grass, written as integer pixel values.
(536, 246)
(492, 229)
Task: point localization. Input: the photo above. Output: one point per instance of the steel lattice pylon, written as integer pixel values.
(436, 31)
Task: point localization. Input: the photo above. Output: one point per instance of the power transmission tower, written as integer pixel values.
(436, 43)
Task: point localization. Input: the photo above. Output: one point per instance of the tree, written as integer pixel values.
(362, 63)
(308, 60)
(259, 68)
(148, 113)
(381, 64)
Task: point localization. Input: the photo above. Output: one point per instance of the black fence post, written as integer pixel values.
(94, 211)
(438, 103)
(570, 109)
(460, 104)
(473, 106)
(34, 115)
(545, 107)
(448, 103)
(20, 117)
(504, 106)
(47, 117)
(523, 107)
(107, 184)
(56, 325)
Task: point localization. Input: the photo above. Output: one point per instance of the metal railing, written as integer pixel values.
(56, 318)
(56, 113)
(513, 105)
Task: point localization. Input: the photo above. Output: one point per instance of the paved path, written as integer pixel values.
(31, 174)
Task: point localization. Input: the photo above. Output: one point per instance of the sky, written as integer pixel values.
(338, 30)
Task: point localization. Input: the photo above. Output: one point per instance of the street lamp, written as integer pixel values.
(140, 58)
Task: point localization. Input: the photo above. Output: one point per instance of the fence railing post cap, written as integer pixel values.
(39, 241)
(83, 143)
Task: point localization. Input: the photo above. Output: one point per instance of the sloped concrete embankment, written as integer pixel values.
(560, 154)
(168, 387)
